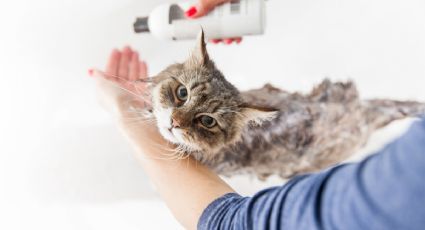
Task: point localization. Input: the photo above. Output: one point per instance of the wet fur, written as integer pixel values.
(311, 132)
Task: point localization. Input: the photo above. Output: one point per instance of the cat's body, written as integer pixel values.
(311, 132)
(268, 130)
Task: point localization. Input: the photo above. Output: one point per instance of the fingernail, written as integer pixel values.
(90, 72)
(191, 11)
(238, 40)
(215, 41)
(228, 41)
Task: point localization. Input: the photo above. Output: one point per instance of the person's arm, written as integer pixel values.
(186, 186)
(385, 191)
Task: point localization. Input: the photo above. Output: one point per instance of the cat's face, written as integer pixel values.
(196, 108)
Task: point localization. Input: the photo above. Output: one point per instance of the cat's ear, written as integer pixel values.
(199, 55)
(257, 115)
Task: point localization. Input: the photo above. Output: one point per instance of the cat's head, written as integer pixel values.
(197, 108)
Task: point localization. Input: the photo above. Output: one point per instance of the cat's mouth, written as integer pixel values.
(177, 136)
(172, 134)
(168, 134)
(176, 132)
(170, 131)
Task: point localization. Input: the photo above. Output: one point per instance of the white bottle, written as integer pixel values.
(233, 19)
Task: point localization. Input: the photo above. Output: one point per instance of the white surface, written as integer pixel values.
(63, 165)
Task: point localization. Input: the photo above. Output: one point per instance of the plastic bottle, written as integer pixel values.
(232, 19)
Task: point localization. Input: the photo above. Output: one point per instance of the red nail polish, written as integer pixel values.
(91, 72)
(228, 41)
(191, 11)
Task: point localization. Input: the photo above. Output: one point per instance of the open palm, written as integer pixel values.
(121, 84)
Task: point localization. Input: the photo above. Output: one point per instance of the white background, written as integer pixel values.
(63, 165)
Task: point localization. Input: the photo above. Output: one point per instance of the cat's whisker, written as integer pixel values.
(139, 116)
(183, 155)
(170, 150)
(137, 122)
(174, 157)
(138, 95)
(163, 158)
(184, 151)
(171, 156)
(141, 80)
(134, 118)
(132, 93)
(135, 115)
(142, 112)
(179, 153)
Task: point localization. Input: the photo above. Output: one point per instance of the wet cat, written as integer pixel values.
(268, 130)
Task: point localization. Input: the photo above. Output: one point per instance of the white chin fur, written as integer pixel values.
(163, 120)
(178, 135)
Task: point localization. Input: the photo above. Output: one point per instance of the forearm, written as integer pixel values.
(186, 186)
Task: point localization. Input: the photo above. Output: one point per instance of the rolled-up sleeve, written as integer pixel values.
(384, 191)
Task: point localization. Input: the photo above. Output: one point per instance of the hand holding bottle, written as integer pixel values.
(222, 20)
(202, 8)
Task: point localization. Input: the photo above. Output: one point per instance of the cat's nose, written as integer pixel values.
(175, 123)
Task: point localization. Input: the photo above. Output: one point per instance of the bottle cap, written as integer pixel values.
(141, 25)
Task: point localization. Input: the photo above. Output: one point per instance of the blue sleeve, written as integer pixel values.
(384, 191)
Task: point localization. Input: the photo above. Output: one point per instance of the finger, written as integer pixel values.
(143, 70)
(134, 67)
(191, 12)
(215, 41)
(228, 41)
(113, 63)
(202, 8)
(124, 61)
(143, 73)
(238, 40)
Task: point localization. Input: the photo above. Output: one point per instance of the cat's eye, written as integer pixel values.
(208, 121)
(181, 93)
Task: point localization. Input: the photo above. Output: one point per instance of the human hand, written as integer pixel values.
(201, 9)
(118, 86)
(122, 89)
